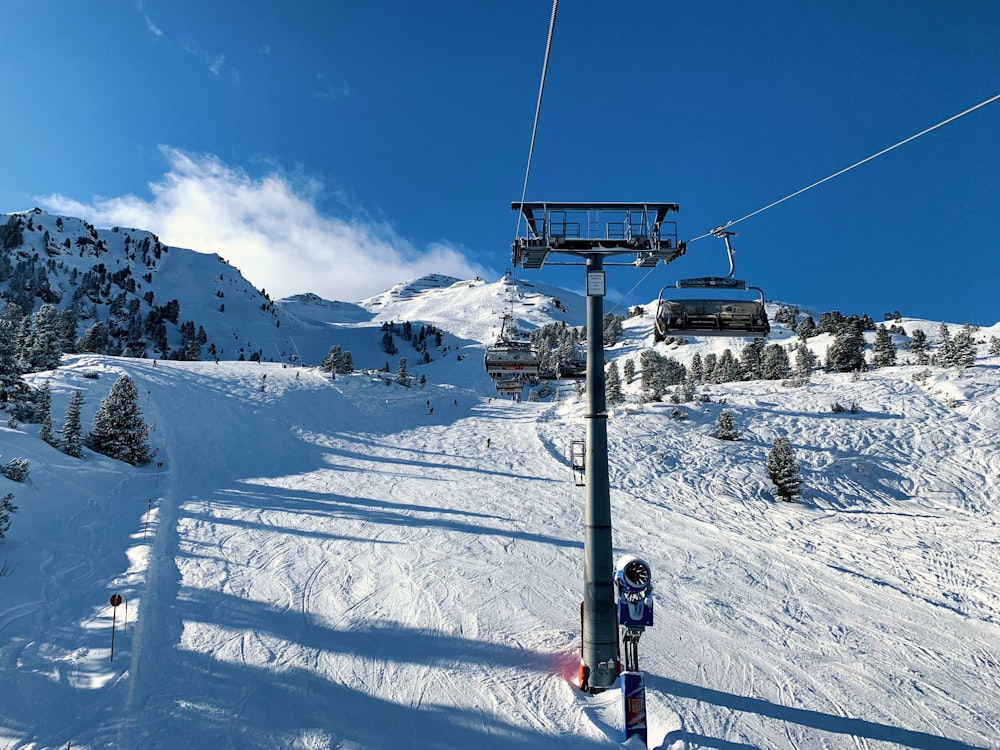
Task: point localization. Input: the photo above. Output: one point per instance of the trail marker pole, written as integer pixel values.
(115, 600)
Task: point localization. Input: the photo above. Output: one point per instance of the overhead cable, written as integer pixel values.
(856, 164)
(538, 110)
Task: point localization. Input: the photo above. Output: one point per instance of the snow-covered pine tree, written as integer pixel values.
(43, 412)
(994, 346)
(44, 347)
(783, 469)
(344, 365)
(774, 364)
(918, 345)
(72, 429)
(696, 369)
(726, 369)
(751, 366)
(190, 345)
(883, 350)
(402, 376)
(709, 365)
(847, 352)
(12, 383)
(7, 507)
(805, 360)
(807, 328)
(787, 316)
(119, 429)
(658, 374)
(329, 362)
(613, 385)
(95, 339)
(946, 347)
(612, 328)
(964, 348)
(725, 426)
(628, 369)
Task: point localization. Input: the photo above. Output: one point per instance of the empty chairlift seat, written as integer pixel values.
(712, 317)
(506, 360)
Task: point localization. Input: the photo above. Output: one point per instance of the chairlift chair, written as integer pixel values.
(511, 358)
(713, 316)
(509, 385)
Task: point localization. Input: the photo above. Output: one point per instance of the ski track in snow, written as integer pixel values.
(330, 565)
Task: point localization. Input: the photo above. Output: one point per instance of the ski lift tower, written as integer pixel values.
(587, 234)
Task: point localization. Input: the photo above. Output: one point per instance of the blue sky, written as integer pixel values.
(340, 147)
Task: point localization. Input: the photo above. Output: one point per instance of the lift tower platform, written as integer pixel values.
(586, 234)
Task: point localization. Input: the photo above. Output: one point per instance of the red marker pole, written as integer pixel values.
(115, 600)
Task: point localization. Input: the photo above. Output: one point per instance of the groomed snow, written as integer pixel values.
(319, 563)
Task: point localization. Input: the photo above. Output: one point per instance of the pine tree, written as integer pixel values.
(751, 365)
(787, 316)
(831, 322)
(628, 370)
(72, 430)
(805, 361)
(710, 363)
(44, 346)
(847, 352)
(946, 348)
(190, 346)
(329, 362)
(918, 345)
(964, 348)
(402, 377)
(7, 507)
(12, 383)
(775, 364)
(883, 350)
(95, 339)
(726, 369)
(658, 374)
(612, 329)
(725, 426)
(994, 346)
(697, 370)
(783, 469)
(345, 364)
(807, 328)
(67, 325)
(43, 412)
(613, 385)
(119, 430)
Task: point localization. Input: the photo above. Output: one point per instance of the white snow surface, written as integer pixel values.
(343, 563)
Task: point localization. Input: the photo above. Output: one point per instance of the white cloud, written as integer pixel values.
(217, 64)
(271, 229)
(327, 89)
(153, 28)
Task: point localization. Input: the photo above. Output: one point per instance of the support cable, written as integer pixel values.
(856, 164)
(538, 110)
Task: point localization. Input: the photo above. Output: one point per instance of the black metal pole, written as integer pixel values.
(600, 632)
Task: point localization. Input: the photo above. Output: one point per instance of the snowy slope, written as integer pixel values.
(332, 564)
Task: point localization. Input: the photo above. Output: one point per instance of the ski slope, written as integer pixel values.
(343, 563)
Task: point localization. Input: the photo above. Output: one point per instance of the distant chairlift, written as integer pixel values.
(713, 317)
(511, 361)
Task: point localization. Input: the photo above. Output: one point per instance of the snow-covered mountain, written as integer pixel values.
(121, 275)
(347, 563)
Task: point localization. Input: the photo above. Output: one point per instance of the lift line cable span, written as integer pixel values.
(825, 179)
(856, 164)
(538, 110)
